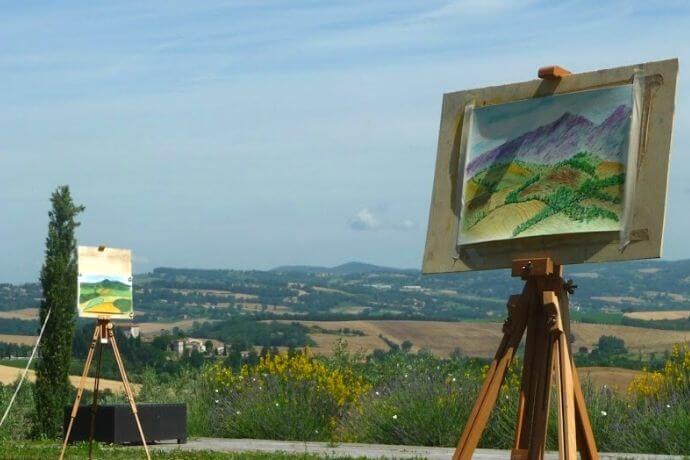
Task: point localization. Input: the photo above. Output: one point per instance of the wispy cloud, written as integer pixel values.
(367, 219)
(364, 220)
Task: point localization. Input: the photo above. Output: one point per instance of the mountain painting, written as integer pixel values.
(546, 166)
(105, 295)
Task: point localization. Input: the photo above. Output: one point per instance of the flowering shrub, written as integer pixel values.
(403, 398)
(284, 397)
(674, 378)
(430, 407)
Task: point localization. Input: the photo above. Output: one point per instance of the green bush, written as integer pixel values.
(416, 409)
(189, 388)
(19, 423)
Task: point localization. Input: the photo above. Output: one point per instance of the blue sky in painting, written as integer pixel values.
(95, 278)
(251, 134)
(494, 125)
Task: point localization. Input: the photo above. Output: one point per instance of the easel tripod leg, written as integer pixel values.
(128, 389)
(528, 382)
(80, 389)
(494, 379)
(94, 406)
(560, 351)
(585, 435)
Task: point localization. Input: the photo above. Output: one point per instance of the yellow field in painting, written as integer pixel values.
(609, 168)
(103, 304)
(501, 222)
(557, 222)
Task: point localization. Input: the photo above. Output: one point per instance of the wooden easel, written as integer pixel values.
(542, 310)
(102, 335)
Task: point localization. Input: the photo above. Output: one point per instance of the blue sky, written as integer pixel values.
(251, 134)
(494, 125)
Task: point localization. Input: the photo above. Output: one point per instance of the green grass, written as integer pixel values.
(596, 317)
(20, 363)
(47, 449)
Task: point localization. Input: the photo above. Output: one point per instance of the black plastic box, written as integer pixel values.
(115, 423)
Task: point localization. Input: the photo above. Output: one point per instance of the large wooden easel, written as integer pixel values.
(541, 310)
(102, 335)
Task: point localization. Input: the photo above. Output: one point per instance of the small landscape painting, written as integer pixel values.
(105, 295)
(546, 166)
(104, 283)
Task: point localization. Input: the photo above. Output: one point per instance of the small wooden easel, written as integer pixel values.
(541, 309)
(102, 335)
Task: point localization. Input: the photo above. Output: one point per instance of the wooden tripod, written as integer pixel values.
(542, 310)
(102, 335)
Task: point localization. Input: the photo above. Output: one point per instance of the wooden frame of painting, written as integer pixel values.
(104, 283)
(573, 168)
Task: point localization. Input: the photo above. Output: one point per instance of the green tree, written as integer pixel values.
(59, 283)
(406, 346)
(611, 345)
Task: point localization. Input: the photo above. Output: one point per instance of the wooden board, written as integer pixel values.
(441, 253)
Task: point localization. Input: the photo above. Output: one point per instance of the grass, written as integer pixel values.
(47, 449)
(20, 363)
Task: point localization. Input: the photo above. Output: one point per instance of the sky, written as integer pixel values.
(251, 134)
(495, 124)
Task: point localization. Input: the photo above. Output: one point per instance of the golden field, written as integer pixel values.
(658, 315)
(9, 375)
(24, 313)
(19, 339)
(616, 378)
(477, 339)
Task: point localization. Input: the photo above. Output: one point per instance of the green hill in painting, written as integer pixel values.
(518, 198)
(106, 296)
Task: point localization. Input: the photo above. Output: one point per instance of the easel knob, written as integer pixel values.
(552, 72)
(570, 286)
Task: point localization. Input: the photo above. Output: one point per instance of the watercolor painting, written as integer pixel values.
(546, 166)
(105, 295)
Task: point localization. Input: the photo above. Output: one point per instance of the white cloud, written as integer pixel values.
(364, 220)
(406, 224)
(367, 219)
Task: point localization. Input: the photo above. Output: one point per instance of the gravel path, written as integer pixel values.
(362, 450)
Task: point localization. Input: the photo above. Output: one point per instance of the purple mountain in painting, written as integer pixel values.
(561, 139)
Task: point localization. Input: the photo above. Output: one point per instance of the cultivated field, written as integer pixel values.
(658, 315)
(479, 339)
(154, 329)
(615, 378)
(9, 375)
(24, 313)
(19, 339)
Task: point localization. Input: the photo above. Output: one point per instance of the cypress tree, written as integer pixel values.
(59, 282)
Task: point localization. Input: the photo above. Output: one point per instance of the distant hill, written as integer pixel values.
(108, 284)
(349, 268)
(560, 140)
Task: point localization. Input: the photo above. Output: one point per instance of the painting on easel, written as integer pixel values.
(105, 283)
(546, 166)
(573, 167)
